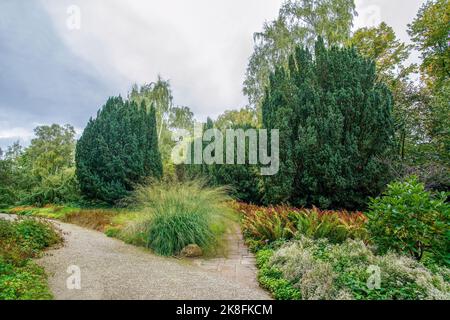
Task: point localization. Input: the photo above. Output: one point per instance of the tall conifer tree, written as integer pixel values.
(335, 128)
(117, 150)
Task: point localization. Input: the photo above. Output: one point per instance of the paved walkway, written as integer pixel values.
(111, 269)
(238, 264)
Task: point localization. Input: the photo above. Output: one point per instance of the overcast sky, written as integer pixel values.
(50, 73)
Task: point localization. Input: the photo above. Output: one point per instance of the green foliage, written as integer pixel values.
(20, 278)
(242, 118)
(272, 279)
(437, 124)
(51, 151)
(168, 117)
(23, 283)
(410, 220)
(323, 271)
(42, 173)
(9, 172)
(117, 150)
(262, 226)
(336, 226)
(429, 33)
(381, 45)
(48, 211)
(56, 189)
(243, 179)
(176, 214)
(336, 130)
(299, 23)
(25, 238)
(37, 234)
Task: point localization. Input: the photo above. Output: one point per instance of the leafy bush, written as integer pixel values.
(24, 239)
(323, 271)
(54, 189)
(175, 215)
(263, 225)
(23, 283)
(20, 278)
(244, 179)
(409, 219)
(37, 234)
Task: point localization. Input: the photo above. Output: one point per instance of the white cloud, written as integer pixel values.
(15, 133)
(202, 46)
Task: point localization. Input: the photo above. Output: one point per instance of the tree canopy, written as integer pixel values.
(117, 150)
(299, 22)
(336, 129)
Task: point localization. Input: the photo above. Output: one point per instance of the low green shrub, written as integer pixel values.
(21, 240)
(320, 270)
(25, 238)
(59, 188)
(28, 282)
(177, 214)
(272, 279)
(37, 234)
(410, 220)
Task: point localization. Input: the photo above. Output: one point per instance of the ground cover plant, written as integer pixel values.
(318, 270)
(314, 254)
(20, 241)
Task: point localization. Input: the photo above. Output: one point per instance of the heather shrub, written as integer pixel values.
(320, 270)
(272, 278)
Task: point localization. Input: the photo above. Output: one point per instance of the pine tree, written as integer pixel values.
(117, 150)
(336, 129)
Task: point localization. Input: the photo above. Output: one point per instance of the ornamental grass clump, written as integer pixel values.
(177, 214)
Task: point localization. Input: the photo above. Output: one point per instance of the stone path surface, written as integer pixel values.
(111, 269)
(238, 264)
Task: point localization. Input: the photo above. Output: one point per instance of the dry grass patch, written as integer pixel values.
(97, 220)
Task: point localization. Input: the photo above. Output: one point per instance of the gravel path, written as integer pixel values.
(111, 269)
